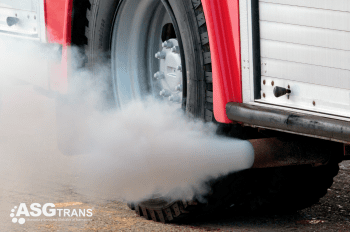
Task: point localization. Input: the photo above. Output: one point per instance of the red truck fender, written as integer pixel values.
(58, 19)
(224, 37)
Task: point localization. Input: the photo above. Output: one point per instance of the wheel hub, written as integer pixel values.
(169, 76)
(145, 54)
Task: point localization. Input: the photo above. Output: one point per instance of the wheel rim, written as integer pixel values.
(142, 62)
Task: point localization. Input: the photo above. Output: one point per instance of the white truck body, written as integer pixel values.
(304, 45)
(31, 15)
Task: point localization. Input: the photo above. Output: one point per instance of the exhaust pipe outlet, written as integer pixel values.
(278, 152)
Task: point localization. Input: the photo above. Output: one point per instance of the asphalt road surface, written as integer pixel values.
(34, 171)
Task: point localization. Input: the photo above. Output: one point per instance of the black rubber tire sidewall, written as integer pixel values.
(99, 31)
(188, 26)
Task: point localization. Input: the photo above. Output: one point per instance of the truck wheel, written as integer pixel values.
(142, 31)
(149, 47)
(132, 33)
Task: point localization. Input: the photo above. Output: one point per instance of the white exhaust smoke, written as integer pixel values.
(147, 148)
(150, 147)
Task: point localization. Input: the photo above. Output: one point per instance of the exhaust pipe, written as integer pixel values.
(278, 152)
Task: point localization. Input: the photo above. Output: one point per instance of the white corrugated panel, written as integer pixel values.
(311, 36)
(339, 5)
(25, 5)
(306, 43)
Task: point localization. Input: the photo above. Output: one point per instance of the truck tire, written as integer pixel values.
(266, 190)
(93, 32)
(101, 17)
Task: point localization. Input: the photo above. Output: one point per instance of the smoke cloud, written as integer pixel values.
(148, 147)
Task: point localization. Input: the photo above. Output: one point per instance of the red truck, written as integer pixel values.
(274, 72)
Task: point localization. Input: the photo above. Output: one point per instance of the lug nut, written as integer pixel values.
(167, 44)
(160, 55)
(159, 75)
(165, 93)
(178, 88)
(179, 68)
(174, 98)
(175, 49)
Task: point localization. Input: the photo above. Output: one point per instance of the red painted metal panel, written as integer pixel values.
(223, 24)
(58, 18)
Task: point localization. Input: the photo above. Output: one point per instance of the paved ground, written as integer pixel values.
(33, 170)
